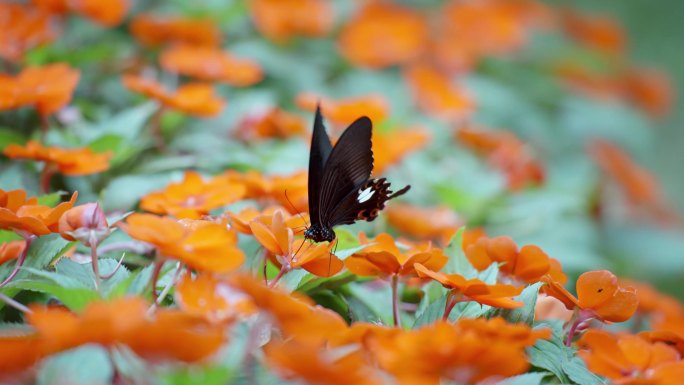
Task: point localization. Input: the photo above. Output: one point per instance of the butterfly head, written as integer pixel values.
(318, 233)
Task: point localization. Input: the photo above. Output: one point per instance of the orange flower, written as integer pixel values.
(241, 221)
(383, 258)
(437, 223)
(211, 298)
(296, 361)
(344, 112)
(273, 189)
(121, 322)
(284, 19)
(551, 308)
(108, 13)
(66, 161)
(23, 28)
(462, 289)
(196, 99)
(598, 296)
(201, 245)
(529, 264)
(156, 30)
(598, 32)
(48, 88)
(274, 123)
(630, 360)
(86, 223)
(296, 316)
(390, 147)
(637, 183)
(193, 197)
(466, 352)
(27, 217)
(211, 64)
(649, 89)
(277, 238)
(436, 95)
(505, 152)
(383, 34)
(10, 251)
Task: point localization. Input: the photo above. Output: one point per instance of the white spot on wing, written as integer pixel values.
(365, 195)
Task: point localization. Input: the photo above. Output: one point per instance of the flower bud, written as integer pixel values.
(86, 223)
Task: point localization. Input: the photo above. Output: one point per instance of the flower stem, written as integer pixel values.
(11, 302)
(44, 127)
(395, 300)
(158, 264)
(156, 130)
(284, 269)
(20, 261)
(451, 301)
(45, 177)
(94, 262)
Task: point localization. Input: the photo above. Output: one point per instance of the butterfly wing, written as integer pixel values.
(349, 166)
(365, 202)
(320, 152)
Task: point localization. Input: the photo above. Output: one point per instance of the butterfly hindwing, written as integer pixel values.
(365, 202)
(320, 152)
(348, 167)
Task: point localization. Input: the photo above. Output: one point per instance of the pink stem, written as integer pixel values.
(45, 177)
(94, 262)
(20, 261)
(118, 265)
(395, 300)
(11, 302)
(155, 277)
(282, 272)
(452, 300)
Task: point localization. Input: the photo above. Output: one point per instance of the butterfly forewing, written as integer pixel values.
(348, 167)
(320, 152)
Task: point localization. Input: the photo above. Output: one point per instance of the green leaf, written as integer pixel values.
(316, 283)
(41, 253)
(51, 200)
(9, 136)
(208, 375)
(360, 312)
(577, 370)
(83, 272)
(433, 313)
(378, 299)
(8, 236)
(62, 288)
(123, 193)
(458, 263)
(522, 314)
(140, 282)
(86, 365)
(550, 355)
(524, 379)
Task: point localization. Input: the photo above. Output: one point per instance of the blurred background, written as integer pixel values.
(556, 122)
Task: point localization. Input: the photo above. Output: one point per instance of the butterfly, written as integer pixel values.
(341, 190)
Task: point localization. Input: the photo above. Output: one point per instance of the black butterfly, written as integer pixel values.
(340, 189)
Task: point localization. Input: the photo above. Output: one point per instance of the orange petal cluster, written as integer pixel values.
(391, 147)
(598, 32)
(630, 360)
(505, 152)
(193, 197)
(467, 352)
(637, 183)
(152, 30)
(382, 34)
(66, 161)
(10, 251)
(23, 28)
(528, 264)
(197, 99)
(241, 221)
(435, 223)
(210, 64)
(436, 94)
(26, 217)
(282, 20)
(382, 258)
(202, 245)
(462, 289)
(598, 296)
(108, 13)
(288, 191)
(48, 88)
(276, 237)
(86, 223)
(344, 111)
(275, 123)
(212, 298)
(121, 322)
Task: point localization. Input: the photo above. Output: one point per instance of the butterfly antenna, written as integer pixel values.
(296, 210)
(297, 252)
